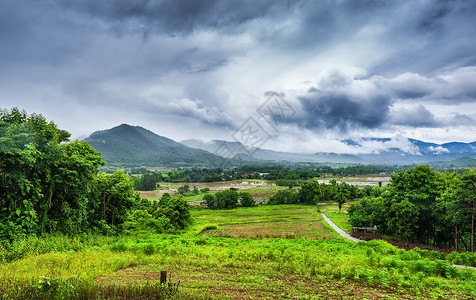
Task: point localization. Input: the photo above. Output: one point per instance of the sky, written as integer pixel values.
(300, 76)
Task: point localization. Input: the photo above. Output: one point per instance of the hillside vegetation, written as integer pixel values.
(127, 145)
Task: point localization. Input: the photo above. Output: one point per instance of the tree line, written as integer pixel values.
(49, 184)
(148, 180)
(312, 192)
(425, 206)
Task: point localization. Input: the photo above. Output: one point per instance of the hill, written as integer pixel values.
(136, 146)
(463, 162)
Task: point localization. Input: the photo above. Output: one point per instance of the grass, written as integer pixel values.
(284, 221)
(246, 268)
(331, 209)
(267, 252)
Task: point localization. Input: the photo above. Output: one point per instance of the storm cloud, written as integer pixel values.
(200, 68)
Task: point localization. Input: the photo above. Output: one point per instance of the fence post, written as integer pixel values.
(163, 277)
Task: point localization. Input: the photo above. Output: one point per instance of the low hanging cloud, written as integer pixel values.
(194, 109)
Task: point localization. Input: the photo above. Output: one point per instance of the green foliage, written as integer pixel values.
(44, 180)
(310, 192)
(172, 214)
(146, 182)
(184, 189)
(421, 205)
(114, 196)
(246, 199)
(222, 200)
(141, 221)
(367, 212)
(289, 183)
(285, 197)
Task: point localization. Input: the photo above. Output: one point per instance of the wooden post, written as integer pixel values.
(163, 277)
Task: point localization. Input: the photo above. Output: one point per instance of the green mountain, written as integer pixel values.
(463, 162)
(127, 145)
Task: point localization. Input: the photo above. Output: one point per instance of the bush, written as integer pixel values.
(246, 199)
(285, 197)
(222, 200)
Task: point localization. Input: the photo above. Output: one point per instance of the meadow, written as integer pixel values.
(265, 252)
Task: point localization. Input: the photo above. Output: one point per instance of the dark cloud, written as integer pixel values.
(361, 66)
(328, 110)
(175, 17)
(414, 117)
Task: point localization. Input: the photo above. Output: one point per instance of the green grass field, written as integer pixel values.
(264, 252)
(331, 209)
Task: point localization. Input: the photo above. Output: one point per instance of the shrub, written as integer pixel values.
(284, 197)
(246, 199)
(222, 200)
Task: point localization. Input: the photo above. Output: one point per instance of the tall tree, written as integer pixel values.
(469, 180)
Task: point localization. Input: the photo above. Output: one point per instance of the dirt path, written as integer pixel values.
(339, 231)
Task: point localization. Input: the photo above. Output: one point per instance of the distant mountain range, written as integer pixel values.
(409, 152)
(257, 154)
(128, 145)
(416, 151)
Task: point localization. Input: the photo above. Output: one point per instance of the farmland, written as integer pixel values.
(282, 251)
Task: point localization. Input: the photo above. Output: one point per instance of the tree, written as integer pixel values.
(222, 200)
(146, 182)
(44, 180)
(340, 199)
(469, 181)
(420, 186)
(246, 199)
(285, 197)
(113, 197)
(310, 192)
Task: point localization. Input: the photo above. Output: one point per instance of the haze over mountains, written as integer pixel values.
(134, 145)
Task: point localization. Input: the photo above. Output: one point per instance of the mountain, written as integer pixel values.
(228, 149)
(127, 145)
(401, 151)
(463, 162)
(410, 151)
(137, 146)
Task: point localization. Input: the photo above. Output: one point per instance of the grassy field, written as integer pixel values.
(331, 209)
(265, 221)
(263, 252)
(259, 189)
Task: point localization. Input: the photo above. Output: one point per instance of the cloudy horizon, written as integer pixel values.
(207, 69)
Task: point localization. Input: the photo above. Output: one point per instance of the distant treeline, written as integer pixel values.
(145, 181)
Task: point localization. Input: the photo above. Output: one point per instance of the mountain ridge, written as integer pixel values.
(135, 145)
